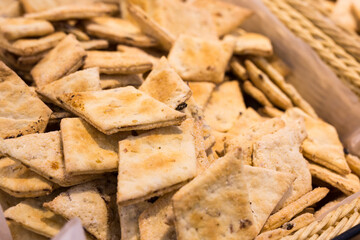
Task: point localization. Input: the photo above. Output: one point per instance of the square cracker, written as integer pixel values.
(119, 62)
(273, 190)
(87, 150)
(15, 28)
(154, 221)
(155, 163)
(165, 85)
(121, 109)
(225, 105)
(227, 17)
(281, 151)
(178, 18)
(80, 81)
(249, 134)
(74, 11)
(43, 154)
(17, 118)
(64, 59)
(196, 59)
(31, 215)
(322, 144)
(118, 30)
(201, 92)
(215, 205)
(129, 216)
(92, 203)
(29, 47)
(18, 181)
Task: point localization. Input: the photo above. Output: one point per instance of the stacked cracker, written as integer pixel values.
(138, 126)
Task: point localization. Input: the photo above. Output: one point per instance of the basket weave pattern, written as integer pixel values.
(343, 63)
(332, 225)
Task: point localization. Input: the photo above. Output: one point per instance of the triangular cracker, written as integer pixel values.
(281, 151)
(74, 11)
(87, 150)
(20, 233)
(65, 58)
(119, 30)
(119, 62)
(201, 92)
(155, 163)
(89, 202)
(42, 153)
(121, 109)
(31, 215)
(265, 195)
(165, 85)
(129, 216)
(27, 47)
(322, 144)
(119, 80)
(209, 62)
(227, 17)
(225, 105)
(80, 81)
(15, 98)
(154, 221)
(17, 180)
(15, 28)
(215, 205)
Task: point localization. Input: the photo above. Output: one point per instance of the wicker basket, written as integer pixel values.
(336, 47)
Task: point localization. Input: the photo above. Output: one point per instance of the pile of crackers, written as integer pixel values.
(160, 119)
